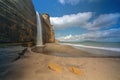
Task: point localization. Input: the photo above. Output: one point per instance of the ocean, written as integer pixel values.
(103, 48)
(9, 53)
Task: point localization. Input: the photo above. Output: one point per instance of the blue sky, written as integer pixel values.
(81, 20)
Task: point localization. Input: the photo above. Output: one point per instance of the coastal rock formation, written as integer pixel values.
(18, 23)
(48, 31)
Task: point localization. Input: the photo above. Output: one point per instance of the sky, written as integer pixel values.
(83, 20)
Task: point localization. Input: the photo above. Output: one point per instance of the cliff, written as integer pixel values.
(18, 23)
(48, 31)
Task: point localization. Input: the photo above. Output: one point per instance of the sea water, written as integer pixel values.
(9, 53)
(104, 48)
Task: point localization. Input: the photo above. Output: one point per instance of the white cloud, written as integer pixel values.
(71, 20)
(105, 20)
(75, 2)
(72, 2)
(84, 20)
(62, 1)
(107, 35)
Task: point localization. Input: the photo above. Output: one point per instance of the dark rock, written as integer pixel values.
(17, 21)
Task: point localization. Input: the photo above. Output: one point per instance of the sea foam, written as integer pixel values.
(94, 47)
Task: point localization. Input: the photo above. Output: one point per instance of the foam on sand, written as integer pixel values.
(106, 51)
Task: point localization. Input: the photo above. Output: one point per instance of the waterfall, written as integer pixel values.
(39, 30)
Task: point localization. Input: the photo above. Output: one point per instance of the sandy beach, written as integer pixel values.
(34, 66)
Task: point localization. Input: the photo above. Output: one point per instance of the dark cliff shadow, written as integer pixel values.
(8, 56)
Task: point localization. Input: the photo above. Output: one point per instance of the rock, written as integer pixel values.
(75, 70)
(55, 67)
(48, 31)
(17, 21)
(57, 41)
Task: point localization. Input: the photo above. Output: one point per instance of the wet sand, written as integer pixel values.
(34, 66)
(63, 51)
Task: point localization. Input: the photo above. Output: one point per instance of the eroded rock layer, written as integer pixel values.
(17, 21)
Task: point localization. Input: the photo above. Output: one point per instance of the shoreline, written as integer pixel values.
(108, 52)
(34, 66)
(56, 49)
(93, 47)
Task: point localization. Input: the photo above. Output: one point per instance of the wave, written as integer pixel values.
(94, 47)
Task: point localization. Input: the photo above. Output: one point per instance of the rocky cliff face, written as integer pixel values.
(17, 21)
(48, 31)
